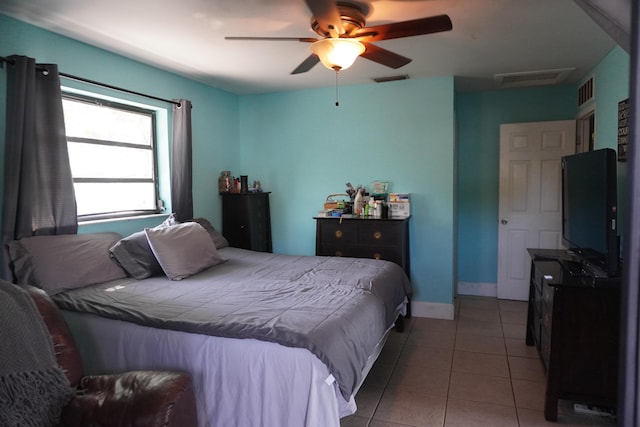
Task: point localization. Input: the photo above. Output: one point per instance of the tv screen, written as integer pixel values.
(589, 209)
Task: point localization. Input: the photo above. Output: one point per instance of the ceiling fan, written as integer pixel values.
(344, 37)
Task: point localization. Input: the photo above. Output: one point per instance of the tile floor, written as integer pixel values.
(472, 371)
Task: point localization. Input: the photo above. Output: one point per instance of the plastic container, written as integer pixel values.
(357, 203)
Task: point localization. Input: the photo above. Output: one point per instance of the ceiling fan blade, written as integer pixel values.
(327, 14)
(383, 56)
(294, 39)
(307, 64)
(415, 27)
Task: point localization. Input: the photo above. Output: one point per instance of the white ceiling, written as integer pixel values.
(187, 37)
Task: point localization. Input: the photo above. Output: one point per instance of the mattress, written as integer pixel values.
(237, 382)
(270, 340)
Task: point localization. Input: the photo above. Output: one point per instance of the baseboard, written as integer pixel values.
(434, 310)
(478, 289)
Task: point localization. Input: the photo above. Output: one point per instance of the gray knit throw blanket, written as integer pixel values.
(33, 388)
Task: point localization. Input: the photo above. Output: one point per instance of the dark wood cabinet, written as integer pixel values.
(246, 221)
(377, 238)
(573, 320)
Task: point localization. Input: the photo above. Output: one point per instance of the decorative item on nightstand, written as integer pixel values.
(224, 182)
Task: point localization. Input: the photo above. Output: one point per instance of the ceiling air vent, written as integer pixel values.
(390, 78)
(533, 78)
(585, 92)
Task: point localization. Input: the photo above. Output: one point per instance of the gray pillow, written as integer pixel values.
(65, 261)
(183, 250)
(135, 256)
(218, 239)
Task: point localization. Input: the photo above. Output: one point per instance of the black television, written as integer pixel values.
(589, 210)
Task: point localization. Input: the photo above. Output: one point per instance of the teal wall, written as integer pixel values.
(214, 114)
(611, 77)
(479, 116)
(303, 148)
(299, 145)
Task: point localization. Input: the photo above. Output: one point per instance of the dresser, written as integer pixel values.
(376, 238)
(246, 220)
(573, 320)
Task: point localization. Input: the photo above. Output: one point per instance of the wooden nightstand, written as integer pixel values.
(246, 220)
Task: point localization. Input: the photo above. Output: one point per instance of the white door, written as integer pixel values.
(530, 207)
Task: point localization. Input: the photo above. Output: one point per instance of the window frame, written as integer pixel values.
(95, 100)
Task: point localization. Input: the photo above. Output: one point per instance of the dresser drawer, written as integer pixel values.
(545, 348)
(337, 250)
(538, 279)
(537, 328)
(380, 252)
(379, 234)
(333, 232)
(386, 239)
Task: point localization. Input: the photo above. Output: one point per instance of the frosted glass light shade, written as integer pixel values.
(337, 54)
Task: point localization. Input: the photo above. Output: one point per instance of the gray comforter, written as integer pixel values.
(337, 308)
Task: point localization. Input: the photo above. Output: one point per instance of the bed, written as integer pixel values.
(269, 339)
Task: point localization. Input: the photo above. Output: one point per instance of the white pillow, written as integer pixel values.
(183, 249)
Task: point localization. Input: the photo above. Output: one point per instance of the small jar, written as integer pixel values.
(224, 182)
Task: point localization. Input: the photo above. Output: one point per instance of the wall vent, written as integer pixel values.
(533, 78)
(585, 92)
(390, 78)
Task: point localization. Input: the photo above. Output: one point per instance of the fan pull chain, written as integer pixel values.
(337, 102)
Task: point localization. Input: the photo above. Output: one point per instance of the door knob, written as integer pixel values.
(503, 221)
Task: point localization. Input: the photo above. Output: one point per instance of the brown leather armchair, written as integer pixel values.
(136, 398)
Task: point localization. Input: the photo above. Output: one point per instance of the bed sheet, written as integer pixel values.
(237, 382)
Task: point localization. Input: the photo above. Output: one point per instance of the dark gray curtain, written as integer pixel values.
(629, 378)
(38, 196)
(181, 162)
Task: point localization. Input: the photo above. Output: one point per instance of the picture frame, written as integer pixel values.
(623, 129)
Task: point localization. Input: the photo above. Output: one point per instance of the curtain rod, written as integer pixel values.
(95, 83)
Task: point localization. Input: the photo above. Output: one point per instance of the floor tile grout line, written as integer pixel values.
(456, 317)
(506, 352)
(513, 361)
(395, 365)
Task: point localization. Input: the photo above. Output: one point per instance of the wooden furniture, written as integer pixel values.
(246, 220)
(377, 238)
(573, 320)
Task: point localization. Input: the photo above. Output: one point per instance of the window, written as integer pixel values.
(112, 156)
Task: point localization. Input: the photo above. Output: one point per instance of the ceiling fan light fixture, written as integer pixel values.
(336, 53)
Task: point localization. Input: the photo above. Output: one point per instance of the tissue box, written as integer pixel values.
(398, 197)
(399, 209)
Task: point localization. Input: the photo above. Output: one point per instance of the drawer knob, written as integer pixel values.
(377, 256)
(338, 234)
(338, 253)
(377, 235)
